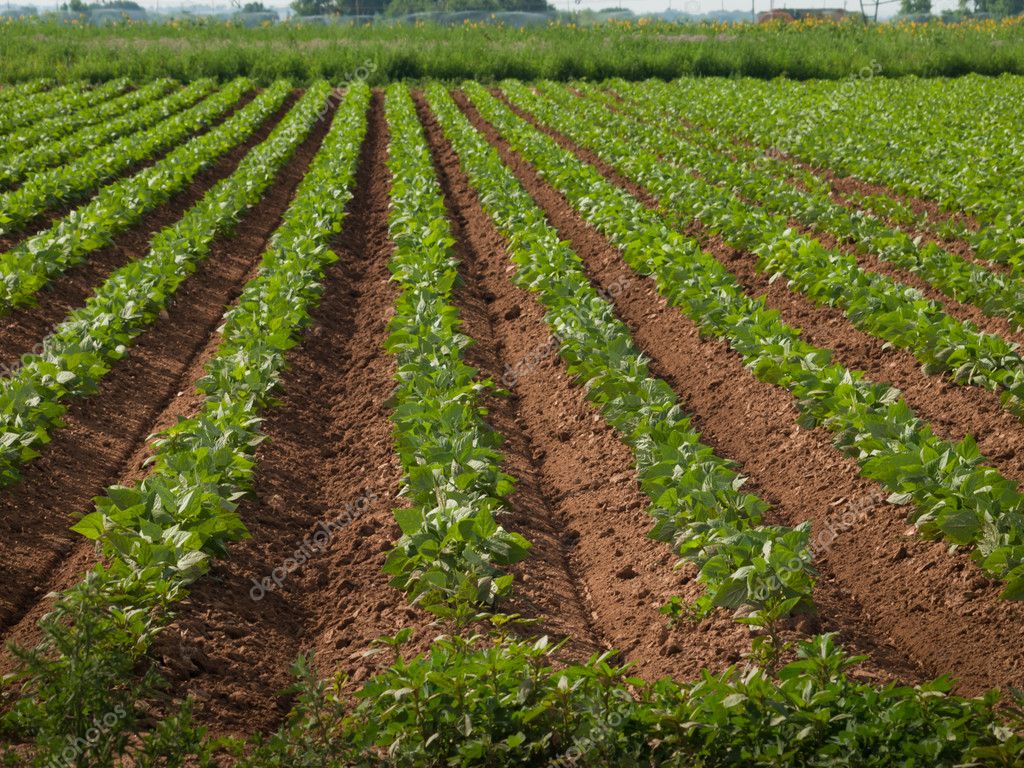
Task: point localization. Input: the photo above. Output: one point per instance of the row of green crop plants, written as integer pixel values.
(160, 535)
(957, 497)
(957, 143)
(478, 697)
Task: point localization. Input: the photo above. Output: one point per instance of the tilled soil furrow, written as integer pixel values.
(909, 603)
(105, 438)
(24, 328)
(327, 481)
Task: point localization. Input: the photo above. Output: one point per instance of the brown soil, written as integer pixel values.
(909, 602)
(24, 328)
(105, 439)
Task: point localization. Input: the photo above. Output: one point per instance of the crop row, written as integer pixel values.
(78, 354)
(31, 264)
(161, 534)
(116, 118)
(764, 180)
(20, 91)
(696, 498)
(956, 142)
(452, 547)
(69, 182)
(954, 494)
(873, 302)
(61, 101)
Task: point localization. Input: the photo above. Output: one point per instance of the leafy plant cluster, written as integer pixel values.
(697, 500)
(110, 100)
(497, 701)
(121, 97)
(56, 141)
(875, 303)
(453, 549)
(19, 92)
(955, 142)
(80, 351)
(765, 179)
(74, 180)
(31, 264)
(954, 494)
(63, 100)
(160, 535)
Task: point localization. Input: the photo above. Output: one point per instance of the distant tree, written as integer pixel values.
(77, 6)
(254, 8)
(994, 7)
(343, 7)
(311, 7)
(402, 7)
(908, 7)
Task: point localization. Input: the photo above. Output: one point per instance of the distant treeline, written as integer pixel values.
(402, 7)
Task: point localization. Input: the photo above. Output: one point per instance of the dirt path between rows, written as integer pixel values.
(105, 439)
(24, 328)
(915, 607)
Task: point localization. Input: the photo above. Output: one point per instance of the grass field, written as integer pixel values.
(486, 52)
(527, 423)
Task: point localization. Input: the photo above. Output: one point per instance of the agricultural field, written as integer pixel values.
(530, 423)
